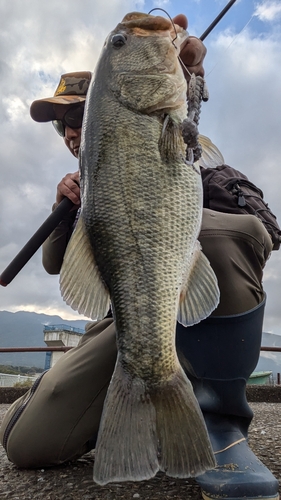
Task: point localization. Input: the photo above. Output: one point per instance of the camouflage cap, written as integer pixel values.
(71, 89)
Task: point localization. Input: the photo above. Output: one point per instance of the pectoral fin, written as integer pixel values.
(80, 282)
(200, 294)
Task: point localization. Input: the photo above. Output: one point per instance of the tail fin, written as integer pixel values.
(185, 449)
(139, 425)
(126, 448)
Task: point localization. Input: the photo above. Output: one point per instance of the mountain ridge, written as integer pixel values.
(25, 329)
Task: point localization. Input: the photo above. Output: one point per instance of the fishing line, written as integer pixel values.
(159, 8)
(181, 61)
(232, 41)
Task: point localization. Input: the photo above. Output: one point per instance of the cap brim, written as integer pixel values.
(43, 109)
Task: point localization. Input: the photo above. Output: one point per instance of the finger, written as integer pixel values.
(181, 20)
(68, 193)
(193, 52)
(76, 178)
(70, 189)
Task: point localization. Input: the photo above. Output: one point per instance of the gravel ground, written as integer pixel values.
(73, 481)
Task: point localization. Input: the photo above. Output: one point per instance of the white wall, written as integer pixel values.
(7, 380)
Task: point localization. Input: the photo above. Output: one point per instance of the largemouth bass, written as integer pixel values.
(135, 245)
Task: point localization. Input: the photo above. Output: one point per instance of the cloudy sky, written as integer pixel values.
(39, 41)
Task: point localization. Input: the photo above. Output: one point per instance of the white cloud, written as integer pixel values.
(268, 11)
(40, 41)
(242, 118)
(51, 311)
(15, 108)
(160, 4)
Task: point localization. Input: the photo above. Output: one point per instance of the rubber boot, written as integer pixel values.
(219, 354)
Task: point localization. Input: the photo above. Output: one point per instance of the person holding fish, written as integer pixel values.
(60, 417)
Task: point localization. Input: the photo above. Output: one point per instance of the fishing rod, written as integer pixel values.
(65, 206)
(36, 241)
(217, 20)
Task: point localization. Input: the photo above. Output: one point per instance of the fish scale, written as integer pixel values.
(123, 242)
(140, 218)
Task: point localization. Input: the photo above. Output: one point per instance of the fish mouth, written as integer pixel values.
(144, 24)
(180, 36)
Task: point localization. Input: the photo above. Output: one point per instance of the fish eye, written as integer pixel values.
(118, 40)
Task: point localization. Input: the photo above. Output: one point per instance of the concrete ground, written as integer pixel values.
(73, 481)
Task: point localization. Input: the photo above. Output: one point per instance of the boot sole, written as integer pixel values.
(205, 496)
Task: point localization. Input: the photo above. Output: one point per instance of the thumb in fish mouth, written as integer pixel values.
(181, 20)
(193, 50)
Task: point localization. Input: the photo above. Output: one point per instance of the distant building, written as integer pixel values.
(60, 335)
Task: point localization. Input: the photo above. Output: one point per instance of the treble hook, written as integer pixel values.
(159, 8)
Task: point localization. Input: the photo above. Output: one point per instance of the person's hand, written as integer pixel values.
(69, 187)
(192, 51)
